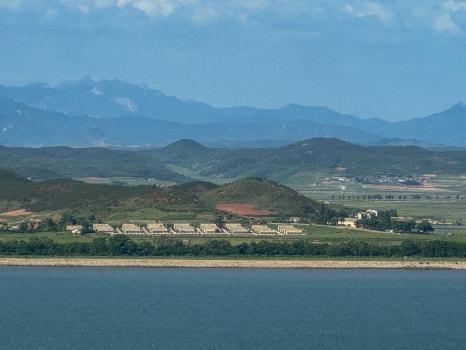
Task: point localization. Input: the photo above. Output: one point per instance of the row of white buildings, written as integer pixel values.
(158, 228)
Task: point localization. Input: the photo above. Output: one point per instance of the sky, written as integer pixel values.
(394, 60)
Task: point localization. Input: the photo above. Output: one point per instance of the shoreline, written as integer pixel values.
(275, 264)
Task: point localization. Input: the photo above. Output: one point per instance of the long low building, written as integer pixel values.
(184, 229)
(74, 228)
(157, 228)
(263, 230)
(289, 230)
(131, 229)
(236, 229)
(106, 228)
(210, 229)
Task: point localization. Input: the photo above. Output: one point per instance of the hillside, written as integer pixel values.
(263, 194)
(103, 200)
(64, 162)
(186, 159)
(318, 154)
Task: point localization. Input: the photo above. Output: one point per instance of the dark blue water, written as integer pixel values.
(142, 308)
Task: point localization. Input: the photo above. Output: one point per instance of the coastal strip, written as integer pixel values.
(194, 263)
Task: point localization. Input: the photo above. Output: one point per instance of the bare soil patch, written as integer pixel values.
(19, 212)
(244, 209)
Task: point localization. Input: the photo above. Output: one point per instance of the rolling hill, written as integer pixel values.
(198, 197)
(186, 159)
(318, 154)
(67, 162)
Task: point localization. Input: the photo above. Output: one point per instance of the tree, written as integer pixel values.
(408, 248)
(219, 247)
(122, 245)
(403, 226)
(424, 227)
(49, 225)
(99, 246)
(67, 218)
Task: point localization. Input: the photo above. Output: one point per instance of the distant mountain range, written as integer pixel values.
(116, 114)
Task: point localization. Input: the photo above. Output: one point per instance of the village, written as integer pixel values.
(237, 229)
(369, 219)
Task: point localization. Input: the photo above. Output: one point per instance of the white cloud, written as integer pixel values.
(371, 9)
(205, 12)
(448, 19)
(454, 6)
(444, 23)
(152, 8)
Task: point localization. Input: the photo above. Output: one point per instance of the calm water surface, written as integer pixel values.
(143, 308)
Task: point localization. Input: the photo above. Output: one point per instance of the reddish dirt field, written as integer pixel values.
(244, 209)
(18, 212)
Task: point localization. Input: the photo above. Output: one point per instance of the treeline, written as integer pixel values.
(50, 225)
(385, 221)
(122, 245)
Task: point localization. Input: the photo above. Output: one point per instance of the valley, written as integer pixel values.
(316, 198)
(130, 155)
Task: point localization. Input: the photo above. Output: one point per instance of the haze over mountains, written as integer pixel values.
(116, 114)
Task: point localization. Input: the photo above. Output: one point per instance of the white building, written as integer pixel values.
(289, 230)
(209, 229)
(157, 228)
(102, 228)
(263, 230)
(131, 229)
(184, 229)
(236, 229)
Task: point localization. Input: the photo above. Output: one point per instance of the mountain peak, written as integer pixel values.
(185, 144)
(459, 105)
(84, 81)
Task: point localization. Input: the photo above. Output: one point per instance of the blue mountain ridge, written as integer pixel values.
(112, 113)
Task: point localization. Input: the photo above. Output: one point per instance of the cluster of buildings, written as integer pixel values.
(351, 222)
(158, 228)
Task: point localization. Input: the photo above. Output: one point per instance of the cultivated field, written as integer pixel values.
(442, 198)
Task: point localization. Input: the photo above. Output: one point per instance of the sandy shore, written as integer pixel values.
(193, 263)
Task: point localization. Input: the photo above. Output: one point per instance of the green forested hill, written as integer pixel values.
(61, 194)
(186, 159)
(264, 194)
(319, 154)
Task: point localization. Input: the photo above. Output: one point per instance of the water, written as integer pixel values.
(143, 308)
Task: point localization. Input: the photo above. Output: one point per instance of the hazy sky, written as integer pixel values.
(395, 60)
